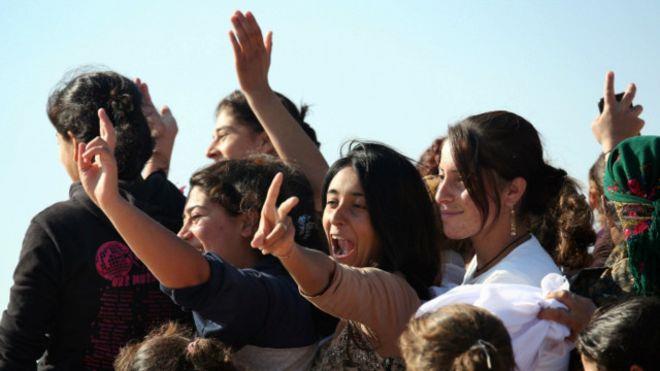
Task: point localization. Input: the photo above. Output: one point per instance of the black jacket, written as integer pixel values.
(79, 293)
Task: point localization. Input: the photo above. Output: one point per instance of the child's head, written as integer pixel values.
(173, 347)
(457, 337)
(225, 201)
(623, 337)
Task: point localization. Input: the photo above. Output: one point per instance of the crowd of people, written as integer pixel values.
(479, 256)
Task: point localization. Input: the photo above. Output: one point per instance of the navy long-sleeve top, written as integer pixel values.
(258, 306)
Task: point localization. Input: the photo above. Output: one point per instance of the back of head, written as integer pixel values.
(400, 209)
(499, 146)
(632, 186)
(73, 106)
(240, 108)
(241, 185)
(458, 337)
(624, 335)
(430, 160)
(173, 347)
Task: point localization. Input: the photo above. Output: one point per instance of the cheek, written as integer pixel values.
(204, 234)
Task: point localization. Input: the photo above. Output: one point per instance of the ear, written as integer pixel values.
(264, 144)
(249, 224)
(514, 191)
(74, 141)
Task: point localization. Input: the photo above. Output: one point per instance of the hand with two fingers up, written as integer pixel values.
(276, 231)
(618, 120)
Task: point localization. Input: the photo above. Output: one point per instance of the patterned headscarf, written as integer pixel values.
(632, 182)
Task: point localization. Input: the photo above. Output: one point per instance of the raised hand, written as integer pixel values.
(99, 177)
(163, 127)
(617, 121)
(251, 52)
(276, 232)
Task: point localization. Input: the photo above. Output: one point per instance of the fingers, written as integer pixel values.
(286, 207)
(268, 44)
(83, 163)
(279, 231)
(107, 131)
(565, 297)
(628, 96)
(253, 29)
(247, 34)
(271, 196)
(238, 21)
(637, 110)
(238, 52)
(608, 93)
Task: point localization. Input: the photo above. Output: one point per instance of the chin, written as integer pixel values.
(456, 235)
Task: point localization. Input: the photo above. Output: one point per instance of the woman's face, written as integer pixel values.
(207, 226)
(346, 221)
(460, 216)
(234, 140)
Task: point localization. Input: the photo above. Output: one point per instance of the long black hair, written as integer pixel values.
(401, 211)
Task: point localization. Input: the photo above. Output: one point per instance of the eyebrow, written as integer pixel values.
(189, 209)
(356, 194)
(223, 128)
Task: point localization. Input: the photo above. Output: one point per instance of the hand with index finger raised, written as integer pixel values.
(99, 177)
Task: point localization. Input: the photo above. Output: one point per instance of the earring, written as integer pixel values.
(514, 231)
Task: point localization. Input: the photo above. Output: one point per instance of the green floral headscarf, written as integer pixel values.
(632, 182)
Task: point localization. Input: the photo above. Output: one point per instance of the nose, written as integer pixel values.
(184, 232)
(338, 214)
(443, 194)
(212, 152)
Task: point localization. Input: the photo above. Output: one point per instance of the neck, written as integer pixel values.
(489, 243)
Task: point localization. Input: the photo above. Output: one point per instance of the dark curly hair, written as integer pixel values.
(499, 146)
(430, 160)
(173, 347)
(241, 185)
(240, 108)
(73, 106)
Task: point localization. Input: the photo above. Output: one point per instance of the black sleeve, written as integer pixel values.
(32, 301)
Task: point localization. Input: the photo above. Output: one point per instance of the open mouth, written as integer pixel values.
(341, 248)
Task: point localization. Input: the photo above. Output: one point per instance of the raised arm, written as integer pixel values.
(252, 56)
(172, 261)
(163, 128)
(617, 121)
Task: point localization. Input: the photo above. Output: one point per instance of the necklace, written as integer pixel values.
(513, 244)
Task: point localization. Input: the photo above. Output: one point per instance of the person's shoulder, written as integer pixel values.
(531, 256)
(63, 212)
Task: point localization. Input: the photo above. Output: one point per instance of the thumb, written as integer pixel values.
(268, 43)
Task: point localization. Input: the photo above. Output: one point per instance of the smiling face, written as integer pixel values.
(234, 140)
(460, 216)
(346, 221)
(207, 226)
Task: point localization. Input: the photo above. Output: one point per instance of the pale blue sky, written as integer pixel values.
(393, 71)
